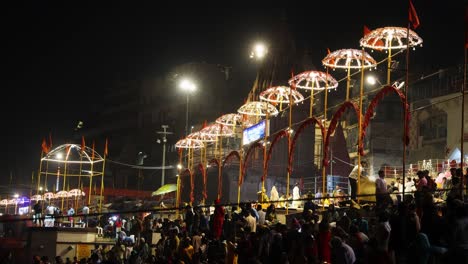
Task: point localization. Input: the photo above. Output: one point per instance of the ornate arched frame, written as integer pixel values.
(333, 123)
(277, 137)
(181, 187)
(247, 155)
(306, 123)
(201, 168)
(370, 112)
(231, 154)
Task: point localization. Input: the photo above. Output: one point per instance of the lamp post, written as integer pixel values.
(164, 133)
(188, 87)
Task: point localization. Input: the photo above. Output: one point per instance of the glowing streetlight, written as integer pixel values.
(372, 80)
(187, 86)
(16, 195)
(179, 166)
(259, 51)
(59, 156)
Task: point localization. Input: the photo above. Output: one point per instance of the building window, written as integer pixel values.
(434, 127)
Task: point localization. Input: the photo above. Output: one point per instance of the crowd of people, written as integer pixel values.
(413, 229)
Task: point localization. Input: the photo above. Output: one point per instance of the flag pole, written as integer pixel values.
(102, 184)
(462, 156)
(405, 108)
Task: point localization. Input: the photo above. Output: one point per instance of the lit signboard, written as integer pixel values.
(255, 132)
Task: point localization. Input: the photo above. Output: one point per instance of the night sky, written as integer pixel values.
(59, 57)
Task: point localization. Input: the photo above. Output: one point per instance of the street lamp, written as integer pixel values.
(188, 87)
(164, 140)
(259, 51)
(372, 80)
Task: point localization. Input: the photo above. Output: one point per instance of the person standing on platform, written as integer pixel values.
(296, 196)
(38, 213)
(274, 195)
(70, 214)
(381, 191)
(85, 212)
(353, 177)
(218, 219)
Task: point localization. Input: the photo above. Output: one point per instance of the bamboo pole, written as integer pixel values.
(389, 60)
(39, 174)
(361, 92)
(324, 169)
(102, 185)
(462, 139)
(348, 81)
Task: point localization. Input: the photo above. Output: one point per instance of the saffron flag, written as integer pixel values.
(105, 149)
(82, 144)
(293, 84)
(205, 123)
(378, 43)
(331, 61)
(413, 16)
(45, 148)
(366, 31)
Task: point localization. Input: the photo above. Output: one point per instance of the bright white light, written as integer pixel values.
(16, 195)
(179, 166)
(371, 80)
(259, 51)
(187, 85)
(114, 218)
(59, 156)
(40, 188)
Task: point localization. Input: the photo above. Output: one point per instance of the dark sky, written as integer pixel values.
(59, 56)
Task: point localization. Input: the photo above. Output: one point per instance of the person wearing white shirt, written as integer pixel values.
(261, 215)
(381, 191)
(353, 176)
(296, 196)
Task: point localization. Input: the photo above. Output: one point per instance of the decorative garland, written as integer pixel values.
(370, 112)
(306, 123)
(203, 171)
(333, 124)
(252, 147)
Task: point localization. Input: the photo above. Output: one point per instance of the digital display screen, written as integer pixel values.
(254, 132)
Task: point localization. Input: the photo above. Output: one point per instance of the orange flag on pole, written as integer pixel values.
(105, 149)
(45, 148)
(413, 16)
(366, 31)
(82, 144)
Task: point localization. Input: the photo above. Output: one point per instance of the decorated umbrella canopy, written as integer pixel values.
(189, 143)
(257, 108)
(37, 197)
(62, 194)
(280, 95)
(76, 192)
(202, 137)
(230, 120)
(217, 130)
(349, 59)
(388, 39)
(73, 153)
(313, 81)
(168, 188)
(48, 195)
